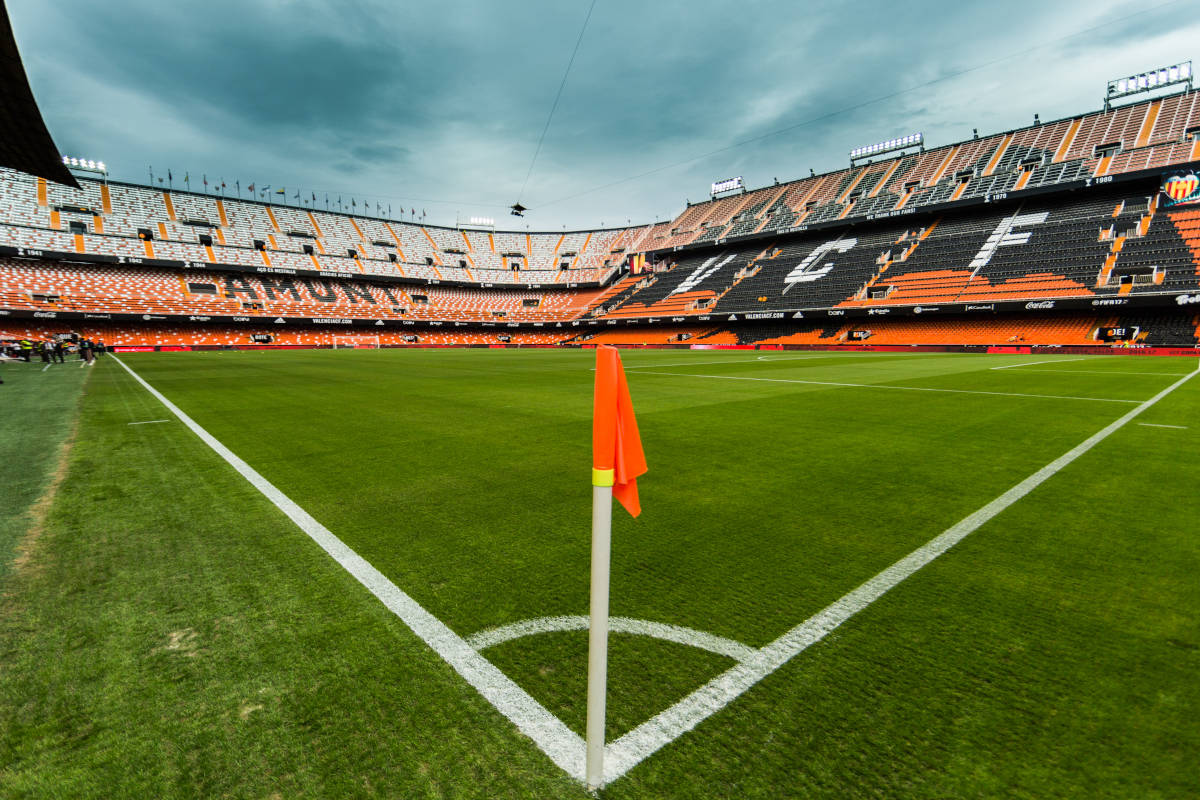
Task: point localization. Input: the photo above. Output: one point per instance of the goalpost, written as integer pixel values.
(361, 342)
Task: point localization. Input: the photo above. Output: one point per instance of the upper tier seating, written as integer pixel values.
(1148, 135)
(34, 213)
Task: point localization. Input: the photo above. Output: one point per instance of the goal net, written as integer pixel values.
(355, 342)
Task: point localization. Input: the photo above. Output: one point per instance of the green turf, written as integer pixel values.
(1052, 653)
(39, 405)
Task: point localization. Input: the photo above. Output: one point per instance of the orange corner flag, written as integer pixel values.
(617, 457)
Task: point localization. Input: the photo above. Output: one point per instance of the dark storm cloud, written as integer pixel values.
(445, 101)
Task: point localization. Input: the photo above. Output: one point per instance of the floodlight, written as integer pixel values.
(727, 185)
(1148, 81)
(900, 143)
(85, 165)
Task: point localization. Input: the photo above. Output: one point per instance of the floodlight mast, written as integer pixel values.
(1148, 82)
(900, 143)
(480, 223)
(85, 165)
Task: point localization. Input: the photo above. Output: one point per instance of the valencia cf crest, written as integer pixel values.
(1181, 188)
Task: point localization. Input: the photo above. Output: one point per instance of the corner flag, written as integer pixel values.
(616, 445)
(617, 461)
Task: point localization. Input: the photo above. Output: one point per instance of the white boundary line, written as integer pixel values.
(564, 747)
(1160, 425)
(640, 627)
(1104, 372)
(1044, 361)
(723, 361)
(149, 421)
(632, 748)
(887, 386)
(770, 358)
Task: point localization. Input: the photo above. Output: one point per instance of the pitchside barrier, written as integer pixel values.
(1036, 349)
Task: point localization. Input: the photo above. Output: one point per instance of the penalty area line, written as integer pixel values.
(646, 739)
(1043, 361)
(562, 745)
(888, 386)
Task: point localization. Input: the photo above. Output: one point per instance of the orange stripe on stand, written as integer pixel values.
(98, 223)
(436, 254)
(266, 258)
(55, 220)
(212, 257)
(1143, 137)
(316, 264)
(357, 229)
(846, 210)
(271, 216)
(1024, 179)
(467, 242)
(271, 239)
(904, 199)
(994, 161)
(582, 250)
(958, 190)
(42, 193)
(887, 176)
(221, 236)
(850, 188)
(1102, 167)
(79, 248)
(148, 246)
(162, 231)
(170, 205)
(316, 227)
(221, 212)
(1068, 140)
(941, 170)
(105, 198)
(399, 246)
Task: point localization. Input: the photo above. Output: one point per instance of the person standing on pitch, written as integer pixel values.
(59, 349)
(85, 350)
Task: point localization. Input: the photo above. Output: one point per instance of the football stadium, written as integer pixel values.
(880, 481)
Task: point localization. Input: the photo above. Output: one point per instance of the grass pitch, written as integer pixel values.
(175, 635)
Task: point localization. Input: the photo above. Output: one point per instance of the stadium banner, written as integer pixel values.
(1119, 333)
(1157, 300)
(1181, 188)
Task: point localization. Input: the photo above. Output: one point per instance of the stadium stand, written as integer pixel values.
(1023, 228)
(1145, 135)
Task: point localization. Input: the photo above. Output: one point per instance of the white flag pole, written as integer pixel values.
(602, 481)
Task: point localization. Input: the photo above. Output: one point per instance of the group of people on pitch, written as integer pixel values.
(53, 351)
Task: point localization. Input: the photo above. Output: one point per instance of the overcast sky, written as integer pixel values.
(439, 105)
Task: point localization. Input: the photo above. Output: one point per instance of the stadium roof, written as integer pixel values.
(25, 144)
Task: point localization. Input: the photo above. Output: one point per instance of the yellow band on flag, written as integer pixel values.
(602, 477)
